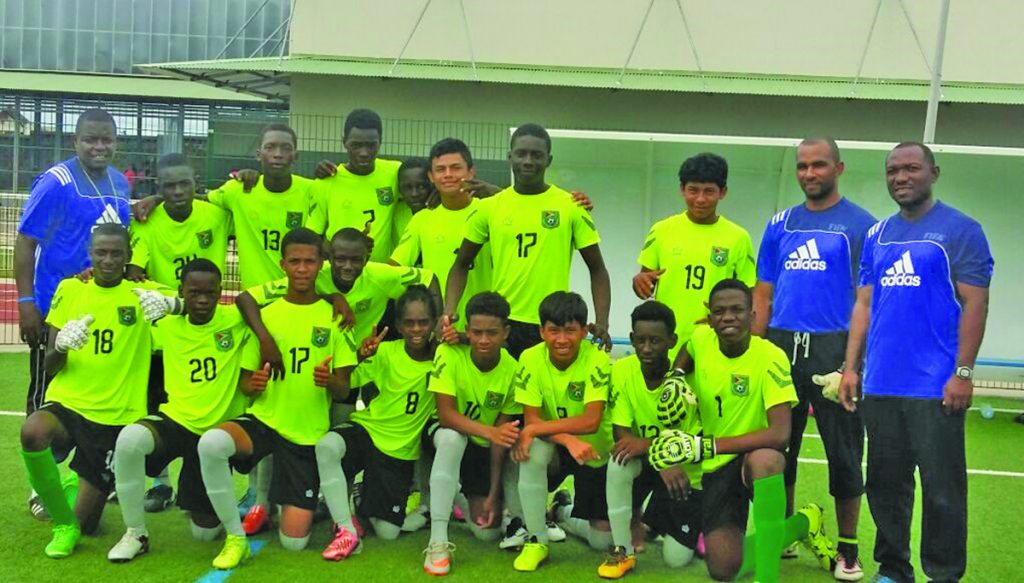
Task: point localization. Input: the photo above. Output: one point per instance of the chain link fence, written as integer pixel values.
(36, 132)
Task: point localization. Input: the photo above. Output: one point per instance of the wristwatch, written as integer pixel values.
(964, 373)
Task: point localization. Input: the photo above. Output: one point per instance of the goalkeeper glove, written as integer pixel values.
(74, 335)
(677, 400)
(674, 447)
(829, 384)
(156, 305)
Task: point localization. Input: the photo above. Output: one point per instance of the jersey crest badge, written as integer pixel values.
(223, 340)
(576, 391)
(493, 400)
(385, 196)
(719, 256)
(361, 305)
(293, 220)
(205, 238)
(126, 315)
(740, 385)
(321, 336)
(549, 219)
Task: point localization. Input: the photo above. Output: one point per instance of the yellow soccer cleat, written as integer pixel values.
(532, 555)
(616, 564)
(817, 542)
(235, 552)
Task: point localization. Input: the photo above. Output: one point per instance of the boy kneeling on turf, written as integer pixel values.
(474, 388)
(99, 359)
(745, 394)
(636, 390)
(563, 386)
(288, 414)
(202, 357)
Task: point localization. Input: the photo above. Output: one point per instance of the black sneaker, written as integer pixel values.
(158, 498)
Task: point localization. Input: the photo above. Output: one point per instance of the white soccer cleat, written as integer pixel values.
(131, 545)
(515, 535)
(437, 558)
(555, 532)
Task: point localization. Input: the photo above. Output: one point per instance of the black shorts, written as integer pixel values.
(295, 481)
(726, 499)
(645, 484)
(93, 444)
(386, 480)
(521, 336)
(156, 394)
(475, 469)
(172, 442)
(679, 519)
(842, 432)
(590, 500)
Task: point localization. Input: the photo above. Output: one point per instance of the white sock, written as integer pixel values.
(204, 534)
(333, 483)
(215, 449)
(293, 543)
(533, 488)
(134, 443)
(620, 501)
(450, 446)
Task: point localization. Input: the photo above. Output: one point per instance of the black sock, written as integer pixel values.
(848, 548)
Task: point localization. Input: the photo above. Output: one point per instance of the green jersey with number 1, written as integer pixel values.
(163, 246)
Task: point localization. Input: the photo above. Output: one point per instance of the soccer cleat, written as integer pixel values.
(561, 499)
(792, 551)
(415, 520)
(345, 543)
(131, 545)
(846, 571)
(616, 564)
(515, 535)
(457, 514)
(256, 520)
(880, 578)
(158, 498)
(235, 552)
(413, 502)
(816, 541)
(555, 533)
(35, 506)
(532, 555)
(437, 559)
(246, 502)
(65, 537)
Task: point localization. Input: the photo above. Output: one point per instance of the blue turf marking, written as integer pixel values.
(218, 576)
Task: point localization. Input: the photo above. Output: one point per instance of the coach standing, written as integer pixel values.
(924, 277)
(66, 203)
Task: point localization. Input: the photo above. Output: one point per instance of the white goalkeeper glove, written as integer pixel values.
(155, 305)
(74, 335)
(829, 384)
(674, 447)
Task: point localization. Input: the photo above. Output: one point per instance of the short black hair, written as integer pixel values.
(654, 311)
(96, 115)
(704, 167)
(302, 236)
(414, 293)
(531, 129)
(560, 308)
(454, 146)
(364, 119)
(172, 160)
(832, 145)
(412, 164)
(353, 235)
(200, 265)
(488, 303)
(279, 127)
(112, 229)
(727, 284)
(929, 156)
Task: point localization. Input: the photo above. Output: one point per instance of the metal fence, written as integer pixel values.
(36, 132)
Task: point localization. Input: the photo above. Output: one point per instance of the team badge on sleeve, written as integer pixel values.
(740, 385)
(205, 238)
(549, 219)
(224, 340)
(719, 255)
(293, 220)
(321, 336)
(493, 400)
(575, 391)
(126, 315)
(385, 196)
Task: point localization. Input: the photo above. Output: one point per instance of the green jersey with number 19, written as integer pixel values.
(163, 246)
(104, 381)
(479, 395)
(566, 393)
(262, 219)
(395, 418)
(633, 406)
(532, 238)
(735, 394)
(201, 368)
(306, 335)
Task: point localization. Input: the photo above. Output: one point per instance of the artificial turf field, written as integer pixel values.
(996, 516)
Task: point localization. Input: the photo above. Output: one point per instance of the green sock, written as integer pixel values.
(769, 530)
(795, 530)
(44, 477)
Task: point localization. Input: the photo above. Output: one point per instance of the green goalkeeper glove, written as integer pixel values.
(674, 447)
